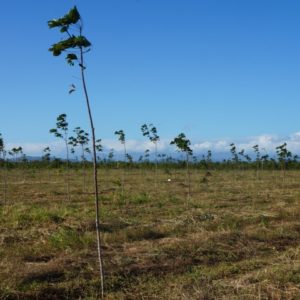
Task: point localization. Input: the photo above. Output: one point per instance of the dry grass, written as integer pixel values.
(238, 237)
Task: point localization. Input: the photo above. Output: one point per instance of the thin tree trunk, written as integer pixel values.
(95, 174)
(49, 176)
(155, 167)
(5, 183)
(23, 171)
(4, 179)
(68, 171)
(83, 170)
(124, 170)
(188, 176)
(257, 170)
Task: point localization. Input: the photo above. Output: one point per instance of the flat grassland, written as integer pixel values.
(236, 237)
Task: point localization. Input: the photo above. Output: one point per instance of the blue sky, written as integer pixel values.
(215, 70)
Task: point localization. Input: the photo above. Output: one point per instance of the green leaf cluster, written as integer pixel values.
(46, 156)
(98, 145)
(283, 153)
(150, 131)
(182, 143)
(72, 17)
(235, 157)
(1, 143)
(72, 41)
(61, 126)
(82, 137)
(257, 152)
(15, 151)
(121, 135)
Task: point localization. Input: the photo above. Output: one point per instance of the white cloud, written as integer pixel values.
(36, 149)
(203, 146)
(295, 137)
(135, 145)
(267, 143)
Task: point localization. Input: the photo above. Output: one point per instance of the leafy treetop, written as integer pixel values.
(61, 125)
(150, 131)
(182, 143)
(99, 146)
(121, 135)
(47, 153)
(283, 153)
(72, 41)
(1, 143)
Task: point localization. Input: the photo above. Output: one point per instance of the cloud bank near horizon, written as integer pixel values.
(267, 143)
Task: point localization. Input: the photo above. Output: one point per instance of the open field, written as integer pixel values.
(237, 237)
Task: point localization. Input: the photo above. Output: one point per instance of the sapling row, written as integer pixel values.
(239, 158)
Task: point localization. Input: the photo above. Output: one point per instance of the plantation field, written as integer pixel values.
(236, 237)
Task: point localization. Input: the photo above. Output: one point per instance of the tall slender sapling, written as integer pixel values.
(284, 156)
(234, 154)
(81, 139)
(183, 144)
(46, 158)
(61, 131)
(75, 47)
(3, 158)
(99, 149)
(121, 137)
(150, 132)
(257, 159)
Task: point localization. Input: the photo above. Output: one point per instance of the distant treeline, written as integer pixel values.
(166, 163)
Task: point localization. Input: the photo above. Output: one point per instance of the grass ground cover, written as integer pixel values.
(236, 237)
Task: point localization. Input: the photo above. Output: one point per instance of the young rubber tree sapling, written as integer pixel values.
(183, 145)
(284, 156)
(257, 159)
(99, 149)
(111, 155)
(61, 132)
(75, 45)
(46, 158)
(234, 154)
(4, 172)
(121, 138)
(150, 132)
(81, 139)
